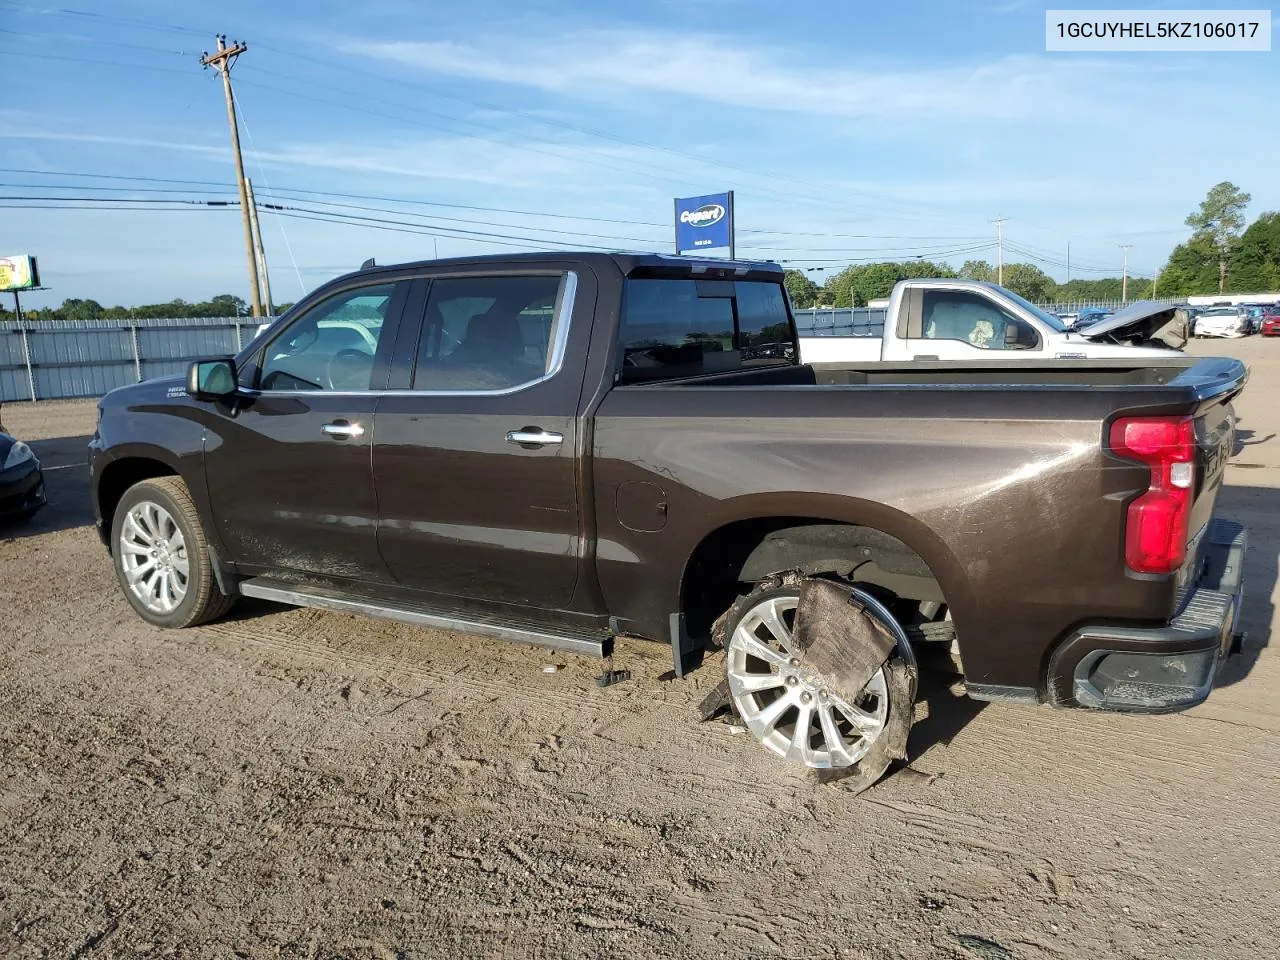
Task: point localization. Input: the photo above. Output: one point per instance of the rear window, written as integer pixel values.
(682, 328)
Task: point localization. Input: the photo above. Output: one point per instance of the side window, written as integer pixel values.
(330, 347)
(682, 328)
(975, 320)
(488, 333)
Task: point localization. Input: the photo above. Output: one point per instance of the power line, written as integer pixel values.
(108, 18)
(467, 220)
(111, 176)
(350, 222)
(288, 192)
(8, 205)
(353, 196)
(81, 186)
(207, 203)
(8, 52)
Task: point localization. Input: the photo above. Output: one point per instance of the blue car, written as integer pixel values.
(1091, 315)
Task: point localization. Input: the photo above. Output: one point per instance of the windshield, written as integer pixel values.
(1044, 316)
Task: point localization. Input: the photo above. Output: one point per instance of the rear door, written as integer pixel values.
(477, 457)
(288, 467)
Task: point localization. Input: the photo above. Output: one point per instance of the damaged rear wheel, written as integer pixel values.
(785, 691)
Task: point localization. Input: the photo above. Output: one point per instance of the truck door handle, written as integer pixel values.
(534, 436)
(341, 429)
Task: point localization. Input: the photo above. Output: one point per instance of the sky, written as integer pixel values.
(849, 131)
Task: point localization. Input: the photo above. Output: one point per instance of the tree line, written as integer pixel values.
(223, 305)
(855, 285)
(1221, 256)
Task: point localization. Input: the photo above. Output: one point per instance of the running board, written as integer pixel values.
(301, 596)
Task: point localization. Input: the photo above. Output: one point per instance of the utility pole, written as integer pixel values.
(1000, 250)
(262, 254)
(221, 60)
(1124, 274)
(1068, 261)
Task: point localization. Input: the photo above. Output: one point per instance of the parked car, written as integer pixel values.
(1271, 321)
(565, 448)
(949, 319)
(1222, 322)
(21, 479)
(1088, 316)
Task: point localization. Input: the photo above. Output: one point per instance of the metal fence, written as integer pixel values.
(1075, 306)
(56, 359)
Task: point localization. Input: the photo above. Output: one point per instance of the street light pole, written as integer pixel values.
(1124, 274)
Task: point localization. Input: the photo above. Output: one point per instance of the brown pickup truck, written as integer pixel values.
(566, 448)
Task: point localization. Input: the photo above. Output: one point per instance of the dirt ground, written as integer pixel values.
(304, 784)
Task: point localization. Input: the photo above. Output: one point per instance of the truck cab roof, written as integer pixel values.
(626, 263)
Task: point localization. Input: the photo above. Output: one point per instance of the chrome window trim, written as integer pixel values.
(559, 344)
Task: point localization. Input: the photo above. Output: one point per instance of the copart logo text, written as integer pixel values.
(704, 216)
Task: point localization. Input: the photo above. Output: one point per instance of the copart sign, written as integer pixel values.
(704, 223)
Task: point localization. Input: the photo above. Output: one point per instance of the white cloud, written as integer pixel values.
(600, 62)
(568, 166)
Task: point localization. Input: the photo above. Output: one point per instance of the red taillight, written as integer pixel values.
(1155, 539)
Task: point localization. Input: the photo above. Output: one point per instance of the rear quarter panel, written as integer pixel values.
(1005, 492)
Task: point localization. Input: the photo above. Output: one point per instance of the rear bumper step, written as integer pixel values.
(1159, 669)
(301, 595)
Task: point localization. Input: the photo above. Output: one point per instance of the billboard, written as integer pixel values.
(704, 223)
(18, 273)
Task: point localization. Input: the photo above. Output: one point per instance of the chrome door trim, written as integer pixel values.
(559, 343)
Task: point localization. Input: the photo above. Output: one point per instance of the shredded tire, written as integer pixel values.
(901, 678)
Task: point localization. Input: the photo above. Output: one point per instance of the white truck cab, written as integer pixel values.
(971, 320)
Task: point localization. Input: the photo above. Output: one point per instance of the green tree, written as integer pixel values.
(1255, 265)
(81, 309)
(1192, 268)
(978, 270)
(226, 305)
(855, 285)
(1220, 220)
(802, 290)
(1028, 281)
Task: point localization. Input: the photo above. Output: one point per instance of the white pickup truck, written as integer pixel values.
(973, 320)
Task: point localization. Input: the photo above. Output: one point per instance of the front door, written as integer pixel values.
(476, 463)
(289, 472)
(964, 325)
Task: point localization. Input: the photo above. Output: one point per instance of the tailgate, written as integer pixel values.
(1217, 382)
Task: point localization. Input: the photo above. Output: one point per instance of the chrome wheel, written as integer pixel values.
(787, 706)
(153, 554)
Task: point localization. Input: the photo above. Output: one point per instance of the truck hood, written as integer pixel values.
(1145, 323)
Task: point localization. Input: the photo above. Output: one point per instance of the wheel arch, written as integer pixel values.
(817, 534)
(121, 473)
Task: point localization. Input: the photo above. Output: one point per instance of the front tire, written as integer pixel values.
(161, 556)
